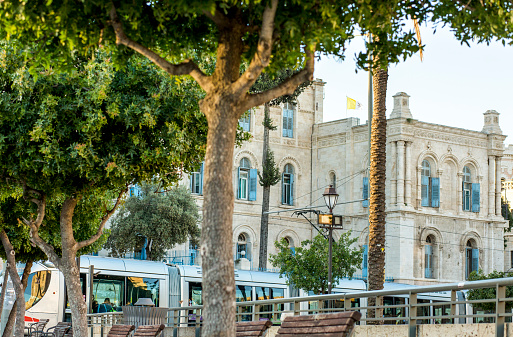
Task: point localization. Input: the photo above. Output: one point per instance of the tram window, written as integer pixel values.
(264, 293)
(37, 285)
(390, 311)
(442, 310)
(423, 311)
(110, 287)
(195, 294)
(142, 287)
(244, 294)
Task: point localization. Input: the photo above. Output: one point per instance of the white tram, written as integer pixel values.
(124, 281)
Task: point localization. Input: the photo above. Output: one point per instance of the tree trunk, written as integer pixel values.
(377, 189)
(18, 284)
(76, 299)
(9, 326)
(216, 234)
(67, 264)
(4, 288)
(264, 222)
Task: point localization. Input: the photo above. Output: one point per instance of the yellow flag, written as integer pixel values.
(351, 103)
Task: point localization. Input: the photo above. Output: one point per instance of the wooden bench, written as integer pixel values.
(321, 325)
(149, 330)
(252, 328)
(120, 330)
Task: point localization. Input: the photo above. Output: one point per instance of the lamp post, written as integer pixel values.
(330, 198)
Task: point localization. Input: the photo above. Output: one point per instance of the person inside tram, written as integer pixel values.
(106, 306)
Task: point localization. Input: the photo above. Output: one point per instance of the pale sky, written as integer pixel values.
(454, 84)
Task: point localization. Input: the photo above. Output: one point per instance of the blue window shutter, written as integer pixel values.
(476, 199)
(364, 262)
(201, 180)
(238, 183)
(424, 192)
(365, 203)
(475, 259)
(252, 184)
(293, 250)
(428, 268)
(291, 123)
(291, 195)
(435, 192)
(283, 188)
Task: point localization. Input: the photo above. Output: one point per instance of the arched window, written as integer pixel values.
(196, 178)
(245, 121)
(290, 243)
(429, 254)
(471, 258)
(467, 185)
(287, 185)
(247, 180)
(243, 247)
(471, 192)
(333, 179)
(288, 120)
(430, 186)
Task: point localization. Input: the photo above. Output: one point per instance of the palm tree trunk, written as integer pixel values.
(377, 176)
(264, 222)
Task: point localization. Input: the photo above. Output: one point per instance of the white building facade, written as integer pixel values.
(443, 188)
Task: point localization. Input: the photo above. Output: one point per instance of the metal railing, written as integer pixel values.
(438, 304)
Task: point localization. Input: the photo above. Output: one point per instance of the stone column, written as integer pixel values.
(393, 180)
(400, 173)
(407, 184)
(460, 192)
(498, 186)
(419, 188)
(491, 185)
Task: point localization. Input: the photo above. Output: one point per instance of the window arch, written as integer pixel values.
(243, 247)
(429, 257)
(471, 191)
(247, 180)
(287, 185)
(333, 179)
(430, 186)
(245, 121)
(471, 257)
(288, 120)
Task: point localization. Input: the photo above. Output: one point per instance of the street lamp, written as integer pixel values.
(330, 198)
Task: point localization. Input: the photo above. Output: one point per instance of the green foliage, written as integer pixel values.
(488, 293)
(307, 267)
(164, 218)
(96, 129)
(180, 29)
(270, 175)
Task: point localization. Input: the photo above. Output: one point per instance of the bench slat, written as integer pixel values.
(321, 325)
(327, 322)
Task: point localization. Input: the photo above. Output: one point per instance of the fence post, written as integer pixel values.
(412, 311)
(453, 306)
(297, 308)
(347, 304)
(500, 306)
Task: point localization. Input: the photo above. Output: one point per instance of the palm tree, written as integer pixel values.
(377, 178)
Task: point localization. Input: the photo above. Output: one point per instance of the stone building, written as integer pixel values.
(443, 189)
(443, 192)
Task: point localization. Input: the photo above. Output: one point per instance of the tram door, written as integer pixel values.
(195, 298)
